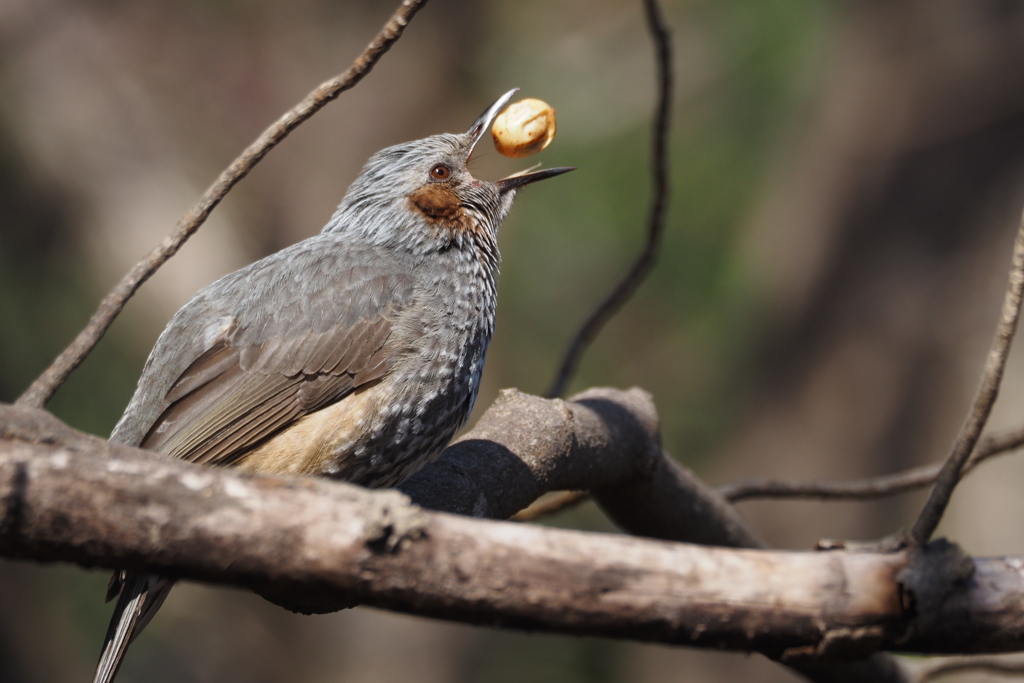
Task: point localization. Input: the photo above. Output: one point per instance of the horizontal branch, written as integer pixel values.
(314, 545)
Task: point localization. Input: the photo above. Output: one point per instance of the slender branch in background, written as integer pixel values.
(934, 670)
(992, 376)
(43, 388)
(656, 218)
(855, 489)
(867, 489)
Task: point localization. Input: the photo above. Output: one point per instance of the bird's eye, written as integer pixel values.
(440, 172)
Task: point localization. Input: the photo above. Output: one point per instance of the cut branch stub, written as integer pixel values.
(525, 446)
(602, 440)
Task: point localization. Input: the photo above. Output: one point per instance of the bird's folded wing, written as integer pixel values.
(293, 336)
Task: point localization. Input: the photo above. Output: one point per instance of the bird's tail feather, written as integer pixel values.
(140, 597)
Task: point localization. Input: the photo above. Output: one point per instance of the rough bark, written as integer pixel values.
(313, 545)
(601, 440)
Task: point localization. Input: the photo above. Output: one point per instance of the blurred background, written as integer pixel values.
(847, 179)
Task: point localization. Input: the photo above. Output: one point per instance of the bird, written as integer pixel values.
(355, 354)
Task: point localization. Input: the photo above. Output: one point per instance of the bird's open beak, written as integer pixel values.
(527, 177)
(483, 124)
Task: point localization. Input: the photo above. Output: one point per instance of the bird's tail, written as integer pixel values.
(139, 596)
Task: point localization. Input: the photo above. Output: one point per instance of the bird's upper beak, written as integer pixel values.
(480, 127)
(483, 124)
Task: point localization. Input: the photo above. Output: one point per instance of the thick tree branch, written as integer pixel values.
(516, 451)
(988, 390)
(314, 545)
(599, 429)
(43, 388)
(602, 440)
(503, 465)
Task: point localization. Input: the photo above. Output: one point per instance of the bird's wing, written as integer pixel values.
(265, 346)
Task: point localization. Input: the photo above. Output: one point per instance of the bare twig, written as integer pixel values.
(872, 487)
(656, 218)
(934, 670)
(556, 502)
(855, 489)
(992, 376)
(43, 388)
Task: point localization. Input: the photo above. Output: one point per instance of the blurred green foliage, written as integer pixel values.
(690, 335)
(47, 293)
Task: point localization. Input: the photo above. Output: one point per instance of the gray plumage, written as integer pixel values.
(355, 354)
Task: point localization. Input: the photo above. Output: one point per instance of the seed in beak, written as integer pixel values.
(525, 128)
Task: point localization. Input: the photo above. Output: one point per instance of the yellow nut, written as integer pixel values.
(525, 128)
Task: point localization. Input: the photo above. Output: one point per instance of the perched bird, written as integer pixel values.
(355, 354)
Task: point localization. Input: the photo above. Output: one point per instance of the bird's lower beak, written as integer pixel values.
(525, 178)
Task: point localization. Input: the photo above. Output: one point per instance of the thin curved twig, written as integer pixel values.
(549, 505)
(656, 217)
(43, 388)
(991, 378)
(954, 665)
(872, 487)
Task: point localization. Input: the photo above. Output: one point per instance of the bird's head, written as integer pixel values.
(421, 194)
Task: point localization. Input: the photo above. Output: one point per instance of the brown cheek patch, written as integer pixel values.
(438, 203)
